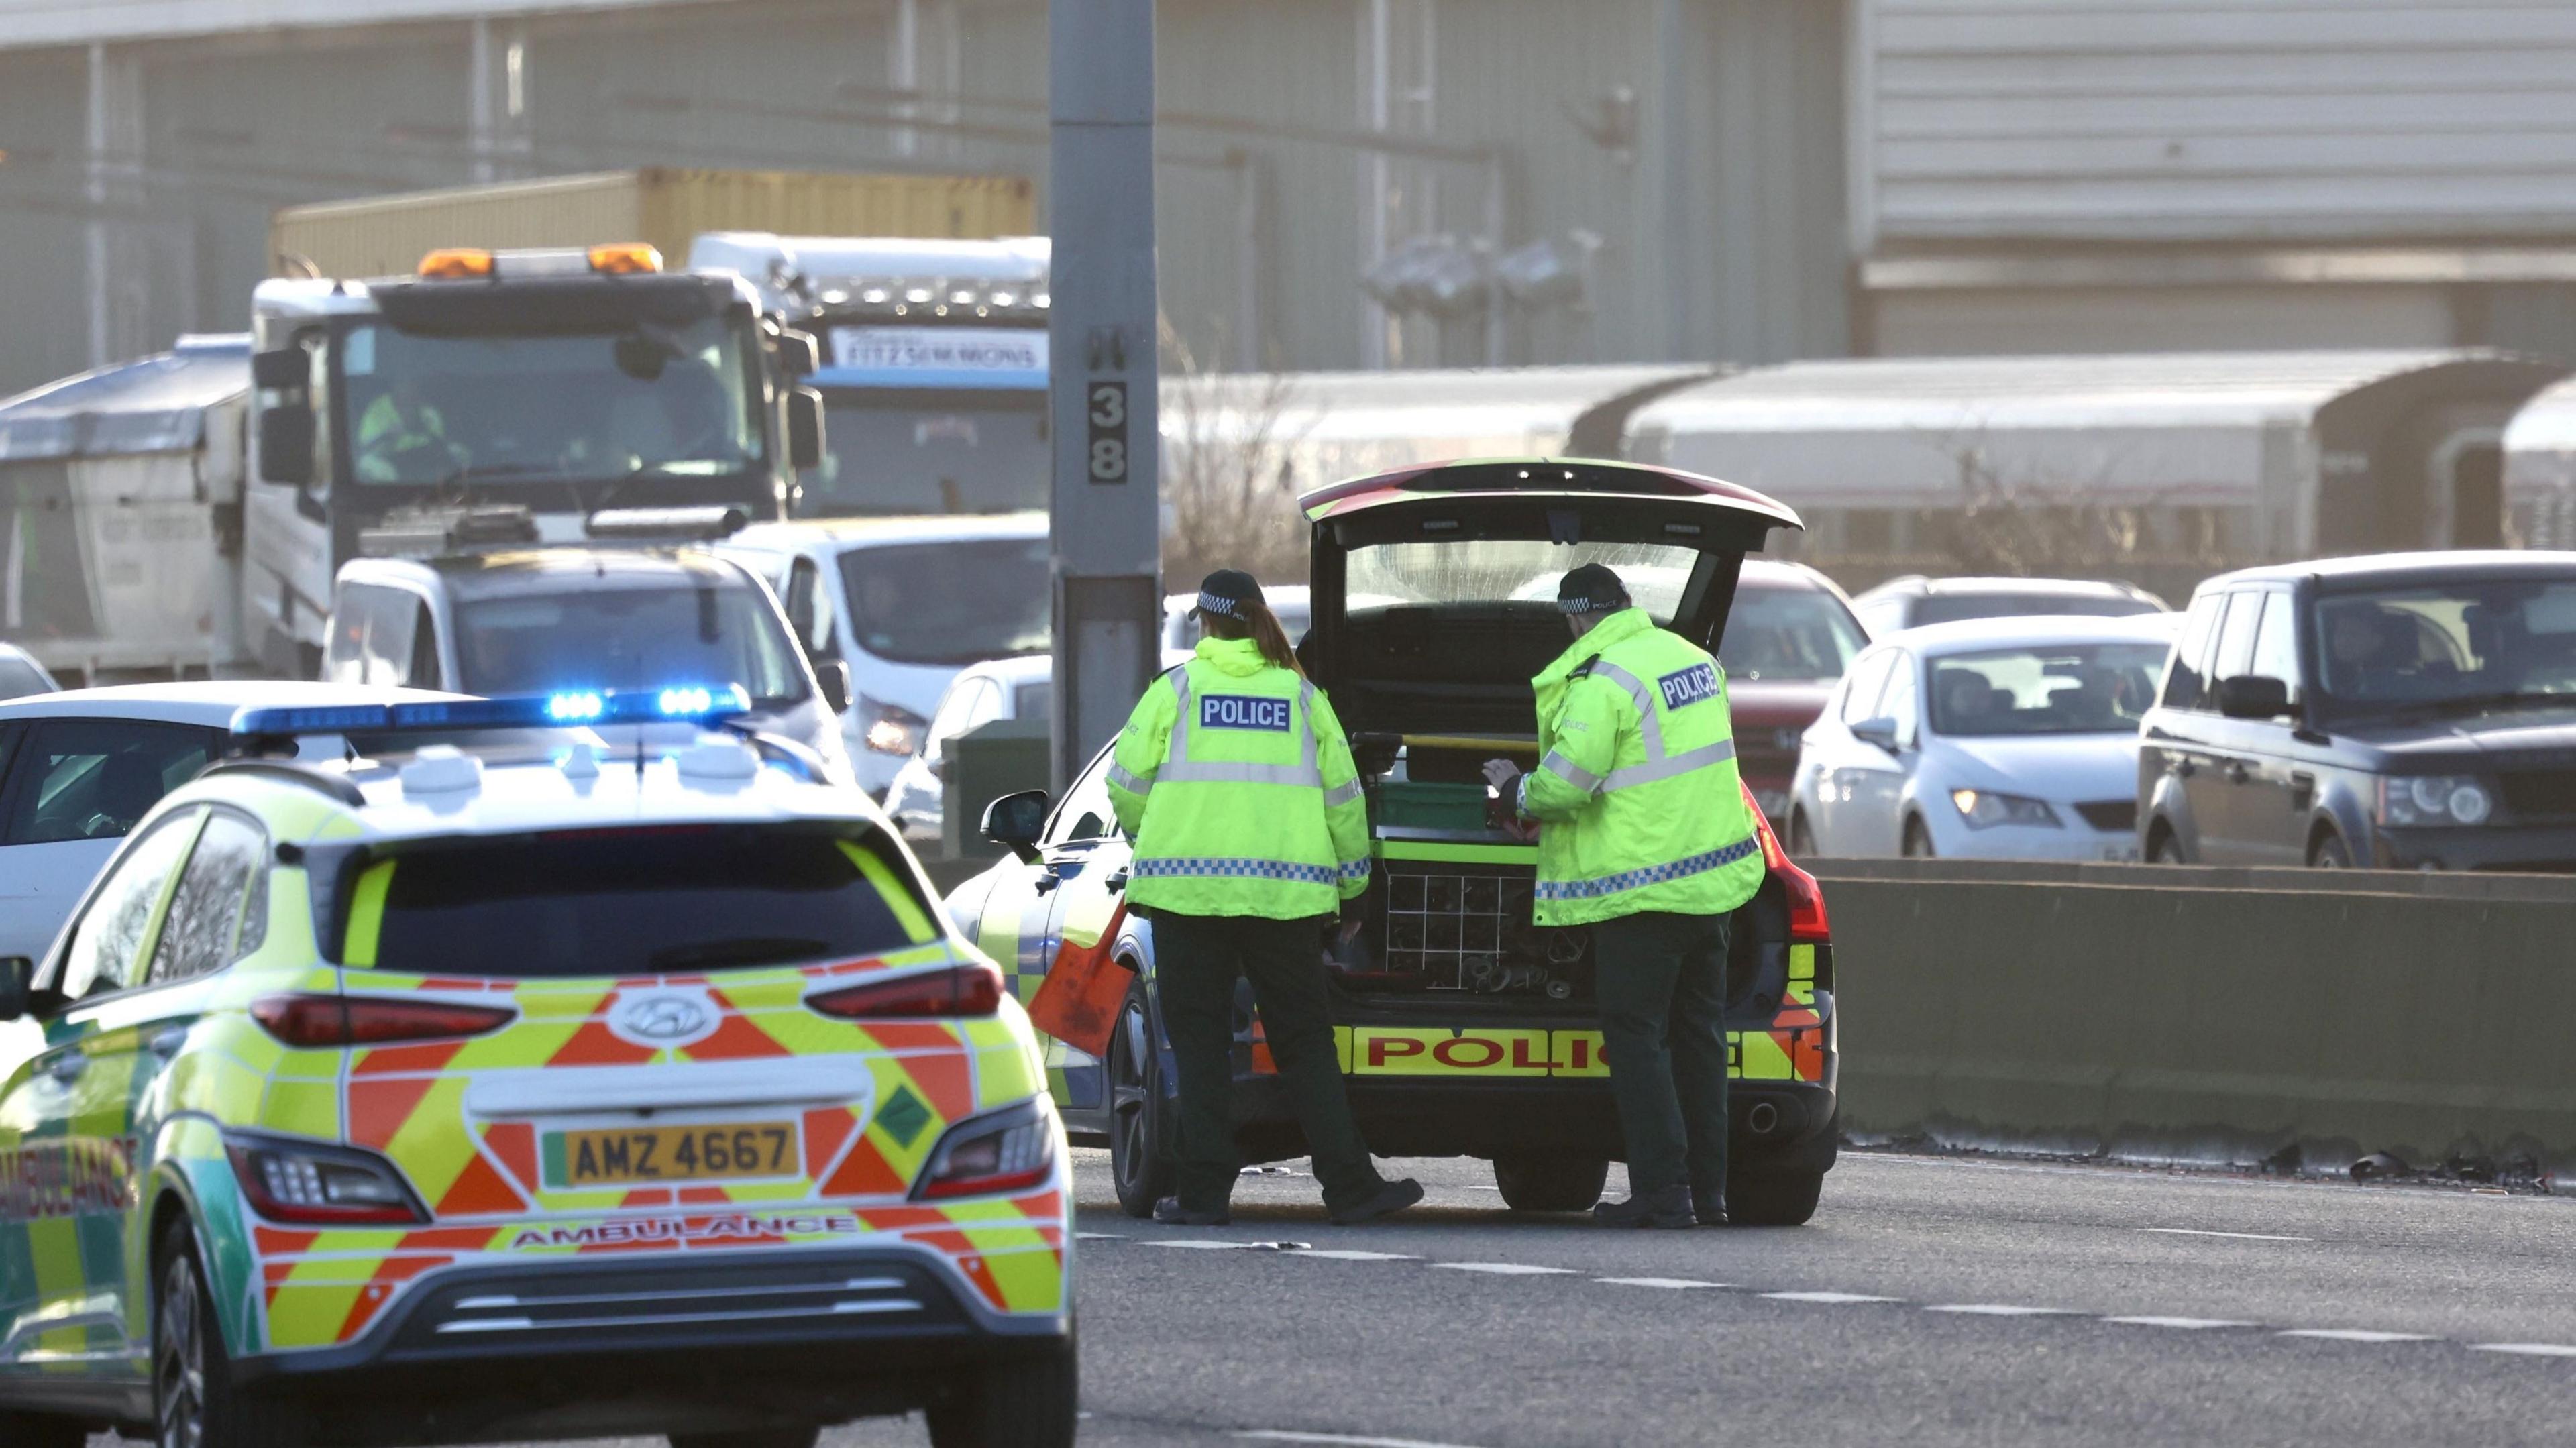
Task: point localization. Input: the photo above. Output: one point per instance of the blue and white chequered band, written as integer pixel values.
(1211, 603)
(1651, 875)
(1220, 867)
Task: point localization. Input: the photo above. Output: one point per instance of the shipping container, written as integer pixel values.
(386, 235)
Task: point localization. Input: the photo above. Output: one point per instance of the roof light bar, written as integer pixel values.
(570, 708)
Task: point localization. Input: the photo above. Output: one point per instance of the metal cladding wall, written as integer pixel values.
(2212, 1016)
(2213, 120)
(1265, 149)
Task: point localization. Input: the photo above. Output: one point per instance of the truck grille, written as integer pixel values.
(1458, 928)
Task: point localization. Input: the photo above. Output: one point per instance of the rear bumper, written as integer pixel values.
(605, 1346)
(1775, 1124)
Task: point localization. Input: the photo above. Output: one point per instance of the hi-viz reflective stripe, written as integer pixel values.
(1349, 791)
(1650, 730)
(1133, 784)
(1180, 769)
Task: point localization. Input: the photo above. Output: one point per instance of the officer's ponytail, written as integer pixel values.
(1262, 626)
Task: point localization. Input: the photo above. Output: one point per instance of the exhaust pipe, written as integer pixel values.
(1762, 1118)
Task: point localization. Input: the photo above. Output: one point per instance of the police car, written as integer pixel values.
(524, 1074)
(1465, 1029)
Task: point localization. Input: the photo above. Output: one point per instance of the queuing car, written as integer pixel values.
(2400, 711)
(21, 675)
(1789, 637)
(903, 604)
(1465, 1029)
(1014, 688)
(78, 769)
(1911, 602)
(519, 620)
(469, 1090)
(1998, 739)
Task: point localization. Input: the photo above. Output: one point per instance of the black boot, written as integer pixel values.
(1391, 1198)
(1171, 1213)
(1670, 1207)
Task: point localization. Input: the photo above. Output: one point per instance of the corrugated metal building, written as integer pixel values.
(1303, 140)
(2085, 175)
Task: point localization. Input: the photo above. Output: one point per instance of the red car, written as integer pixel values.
(1788, 638)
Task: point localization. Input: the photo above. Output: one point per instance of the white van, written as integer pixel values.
(905, 603)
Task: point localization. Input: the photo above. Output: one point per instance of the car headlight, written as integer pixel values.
(890, 728)
(2434, 799)
(1984, 809)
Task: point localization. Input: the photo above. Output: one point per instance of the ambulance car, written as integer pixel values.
(1465, 1029)
(539, 1068)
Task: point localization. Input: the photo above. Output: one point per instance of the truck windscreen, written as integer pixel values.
(901, 451)
(657, 400)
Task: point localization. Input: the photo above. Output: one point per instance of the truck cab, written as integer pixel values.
(558, 382)
(933, 365)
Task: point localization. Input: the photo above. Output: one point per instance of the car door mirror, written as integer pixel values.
(1880, 732)
(798, 353)
(281, 369)
(17, 991)
(1016, 820)
(2253, 696)
(804, 428)
(286, 443)
(832, 676)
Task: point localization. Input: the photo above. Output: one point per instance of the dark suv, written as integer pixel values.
(2403, 711)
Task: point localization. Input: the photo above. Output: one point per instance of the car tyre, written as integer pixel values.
(2329, 853)
(1031, 1403)
(1802, 841)
(41, 1430)
(1140, 1155)
(1550, 1183)
(750, 1438)
(1918, 841)
(1773, 1198)
(194, 1401)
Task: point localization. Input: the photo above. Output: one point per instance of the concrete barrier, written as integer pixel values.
(2213, 1016)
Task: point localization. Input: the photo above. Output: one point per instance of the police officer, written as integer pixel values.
(1646, 838)
(1237, 783)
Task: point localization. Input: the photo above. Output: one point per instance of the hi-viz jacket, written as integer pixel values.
(1236, 781)
(1636, 780)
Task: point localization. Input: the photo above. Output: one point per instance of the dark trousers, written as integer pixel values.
(1197, 959)
(1661, 983)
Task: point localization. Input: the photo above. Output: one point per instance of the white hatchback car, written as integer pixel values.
(1014, 688)
(78, 769)
(2004, 738)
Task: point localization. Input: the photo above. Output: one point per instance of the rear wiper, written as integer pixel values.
(754, 950)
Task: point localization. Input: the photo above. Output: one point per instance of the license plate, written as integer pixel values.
(636, 1155)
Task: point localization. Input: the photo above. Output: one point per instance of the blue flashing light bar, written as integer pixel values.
(572, 708)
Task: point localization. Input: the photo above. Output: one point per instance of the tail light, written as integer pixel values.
(1007, 1151)
(292, 1181)
(1806, 898)
(972, 989)
(330, 1020)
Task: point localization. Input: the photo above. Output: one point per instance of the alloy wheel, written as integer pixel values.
(1130, 1094)
(179, 1359)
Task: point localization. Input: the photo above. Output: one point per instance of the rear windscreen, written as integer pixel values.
(635, 902)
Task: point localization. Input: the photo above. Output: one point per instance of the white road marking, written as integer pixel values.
(1343, 1439)
(1207, 1246)
(1098, 1237)
(1825, 1297)
(2525, 1349)
(1349, 1254)
(1998, 1309)
(2186, 1324)
(2355, 1334)
(1675, 1283)
(2238, 1236)
(1506, 1269)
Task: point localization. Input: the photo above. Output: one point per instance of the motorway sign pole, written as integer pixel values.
(1101, 370)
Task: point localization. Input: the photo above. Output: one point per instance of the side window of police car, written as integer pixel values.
(91, 779)
(106, 946)
(219, 911)
(1085, 814)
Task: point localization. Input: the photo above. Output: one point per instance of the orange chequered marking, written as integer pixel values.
(914, 1036)
(392, 1060)
(378, 1109)
(647, 1197)
(515, 1143)
(865, 1174)
(273, 1242)
(478, 1190)
(945, 1080)
(826, 1128)
(380, 1290)
(595, 1045)
(735, 1039)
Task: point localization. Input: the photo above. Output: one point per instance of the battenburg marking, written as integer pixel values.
(1235, 711)
(1694, 685)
